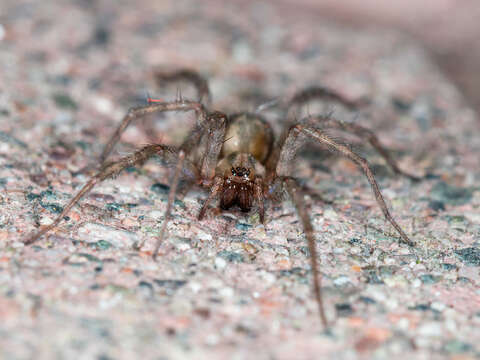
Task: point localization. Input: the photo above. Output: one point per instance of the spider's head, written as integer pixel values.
(238, 189)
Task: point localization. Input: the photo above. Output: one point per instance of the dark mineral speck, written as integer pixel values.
(53, 208)
(64, 101)
(101, 36)
(32, 196)
(429, 279)
(401, 105)
(420, 307)
(470, 256)
(367, 300)
(113, 206)
(436, 205)
(242, 226)
(159, 188)
(448, 267)
(145, 288)
(450, 194)
(101, 245)
(231, 256)
(457, 347)
(343, 309)
(170, 284)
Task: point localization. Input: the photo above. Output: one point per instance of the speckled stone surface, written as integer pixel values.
(227, 287)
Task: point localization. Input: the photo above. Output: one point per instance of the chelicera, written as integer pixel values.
(238, 160)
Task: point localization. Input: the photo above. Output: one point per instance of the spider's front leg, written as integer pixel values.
(155, 107)
(168, 155)
(297, 137)
(215, 132)
(365, 135)
(297, 196)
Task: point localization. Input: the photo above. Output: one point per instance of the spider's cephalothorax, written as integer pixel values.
(234, 158)
(248, 142)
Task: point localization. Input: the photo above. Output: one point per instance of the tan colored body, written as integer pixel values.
(249, 134)
(248, 144)
(249, 141)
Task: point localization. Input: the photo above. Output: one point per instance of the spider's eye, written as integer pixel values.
(248, 172)
(233, 171)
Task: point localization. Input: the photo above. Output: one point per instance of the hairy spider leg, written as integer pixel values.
(297, 137)
(216, 132)
(167, 153)
(217, 122)
(195, 79)
(303, 96)
(365, 135)
(140, 111)
(297, 197)
(214, 191)
(162, 78)
(171, 199)
(259, 195)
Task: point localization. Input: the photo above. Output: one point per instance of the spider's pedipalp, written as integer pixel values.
(214, 191)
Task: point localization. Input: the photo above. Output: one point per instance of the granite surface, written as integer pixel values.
(228, 287)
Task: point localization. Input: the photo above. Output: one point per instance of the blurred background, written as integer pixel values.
(449, 29)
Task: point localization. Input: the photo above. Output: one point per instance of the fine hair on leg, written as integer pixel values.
(108, 171)
(298, 136)
(297, 198)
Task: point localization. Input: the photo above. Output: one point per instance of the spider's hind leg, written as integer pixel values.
(300, 98)
(192, 77)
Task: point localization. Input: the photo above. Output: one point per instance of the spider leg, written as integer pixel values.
(198, 82)
(108, 171)
(171, 198)
(364, 134)
(140, 111)
(215, 189)
(301, 97)
(216, 136)
(214, 128)
(297, 197)
(298, 135)
(260, 198)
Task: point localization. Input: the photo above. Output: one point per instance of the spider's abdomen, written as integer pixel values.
(249, 134)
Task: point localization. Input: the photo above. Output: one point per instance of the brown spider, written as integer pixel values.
(236, 158)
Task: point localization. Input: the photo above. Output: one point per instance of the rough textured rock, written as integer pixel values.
(227, 287)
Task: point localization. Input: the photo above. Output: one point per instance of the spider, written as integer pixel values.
(237, 159)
